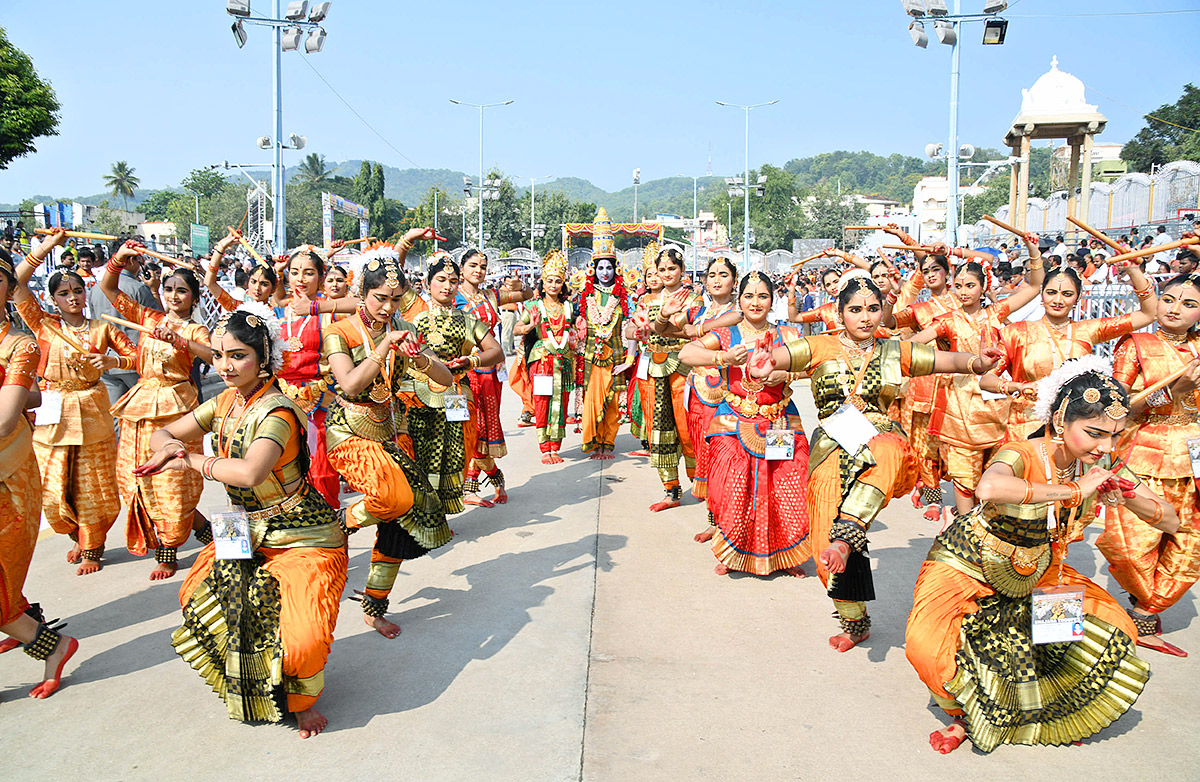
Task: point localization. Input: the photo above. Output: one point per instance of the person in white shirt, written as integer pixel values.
(1162, 237)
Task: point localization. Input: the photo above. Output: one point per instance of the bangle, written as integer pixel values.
(1028, 493)
(34, 260)
(1035, 267)
(474, 361)
(206, 468)
(971, 365)
(1144, 293)
(314, 307)
(180, 342)
(406, 245)
(1004, 386)
(699, 330)
(124, 363)
(891, 297)
(719, 357)
(1158, 513)
(373, 356)
(176, 441)
(114, 268)
(428, 363)
(1076, 495)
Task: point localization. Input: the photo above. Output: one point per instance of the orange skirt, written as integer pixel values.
(20, 518)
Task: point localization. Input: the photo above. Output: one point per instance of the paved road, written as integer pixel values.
(568, 635)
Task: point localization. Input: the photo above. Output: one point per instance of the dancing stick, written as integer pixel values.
(919, 248)
(1096, 234)
(242, 241)
(48, 325)
(164, 258)
(346, 244)
(1005, 226)
(863, 227)
(1191, 240)
(78, 234)
(127, 324)
(1149, 390)
(821, 254)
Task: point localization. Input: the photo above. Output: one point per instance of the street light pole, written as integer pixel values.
(533, 223)
(952, 153)
(746, 227)
(435, 220)
(481, 107)
(279, 224)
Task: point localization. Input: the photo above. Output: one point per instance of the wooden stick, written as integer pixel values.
(78, 234)
(821, 254)
(242, 241)
(346, 244)
(1149, 390)
(127, 324)
(165, 258)
(1153, 250)
(1005, 226)
(920, 248)
(1096, 234)
(48, 325)
(863, 227)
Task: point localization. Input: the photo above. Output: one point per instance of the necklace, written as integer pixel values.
(1057, 326)
(243, 397)
(292, 336)
(1172, 339)
(861, 346)
(225, 447)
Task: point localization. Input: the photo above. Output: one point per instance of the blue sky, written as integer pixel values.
(599, 88)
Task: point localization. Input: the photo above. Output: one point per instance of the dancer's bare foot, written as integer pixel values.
(67, 646)
(547, 458)
(933, 512)
(722, 569)
(311, 722)
(555, 458)
(796, 571)
(382, 626)
(706, 535)
(844, 642)
(641, 452)
(948, 738)
(163, 571)
(916, 498)
(502, 496)
(665, 503)
(1157, 643)
(74, 555)
(947, 517)
(475, 499)
(88, 566)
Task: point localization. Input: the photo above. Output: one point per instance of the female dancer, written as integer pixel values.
(1033, 349)
(441, 445)
(368, 357)
(917, 406)
(485, 384)
(667, 414)
(1156, 569)
(550, 318)
(337, 283)
(161, 507)
(260, 286)
(969, 634)
(78, 454)
(20, 502)
(827, 312)
(965, 425)
(260, 626)
(640, 392)
(758, 505)
(852, 480)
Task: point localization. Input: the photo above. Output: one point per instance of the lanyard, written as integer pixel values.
(223, 447)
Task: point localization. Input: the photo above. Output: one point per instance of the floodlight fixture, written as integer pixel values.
(289, 39)
(239, 33)
(966, 151)
(917, 31)
(994, 6)
(315, 42)
(937, 8)
(945, 32)
(762, 180)
(237, 7)
(914, 8)
(637, 176)
(296, 11)
(264, 142)
(994, 31)
(298, 141)
(319, 12)
(933, 150)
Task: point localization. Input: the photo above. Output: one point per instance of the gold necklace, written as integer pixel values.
(860, 346)
(1172, 339)
(1057, 326)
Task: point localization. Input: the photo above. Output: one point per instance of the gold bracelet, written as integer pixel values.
(406, 245)
(428, 363)
(372, 357)
(1028, 493)
(1158, 513)
(35, 260)
(971, 365)
(719, 358)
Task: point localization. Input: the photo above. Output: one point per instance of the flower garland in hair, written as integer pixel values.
(359, 263)
(266, 316)
(1049, 386)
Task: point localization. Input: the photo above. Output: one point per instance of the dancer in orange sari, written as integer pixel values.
(21, 502)
(257, 622)
(1157, 570)
(970, 634)
(965, 425)
(162, 506)
(1034, 348)
(853, 476)
(78, 454)
(368, 357)
(758, 504)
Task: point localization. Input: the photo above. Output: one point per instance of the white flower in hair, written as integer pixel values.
(1048, 387)
(274, 329)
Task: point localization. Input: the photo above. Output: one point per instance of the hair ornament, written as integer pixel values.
(1091, 396)
(1049, 386)
(374, 259)
(259, 315)
(851, 275)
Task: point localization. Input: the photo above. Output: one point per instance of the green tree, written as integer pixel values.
(986, 203)
(157, 206)
(448, 221)
(123, 181)
(1171, 133)
(362, 184)
(28, 108)
(204, 182)
(826, 212)
(501, 217)
(312, 169)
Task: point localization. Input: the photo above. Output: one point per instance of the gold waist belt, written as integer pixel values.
(70, 385)
(376, 412)
(1024, 558)
(290, 504)
(752, 409)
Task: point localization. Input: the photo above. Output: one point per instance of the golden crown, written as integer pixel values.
(554, 264)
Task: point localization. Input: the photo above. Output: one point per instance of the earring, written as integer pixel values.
(263, 371)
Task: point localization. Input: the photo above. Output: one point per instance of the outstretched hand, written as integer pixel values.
(761, 363)
(169, 458)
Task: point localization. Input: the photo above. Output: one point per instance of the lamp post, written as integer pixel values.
(533, 228)
(746, 189)
(946, 26)
(285, 40)
(637, 180)
(481, 107)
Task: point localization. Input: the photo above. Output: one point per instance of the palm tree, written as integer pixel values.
(312, 169)
(123, 181)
